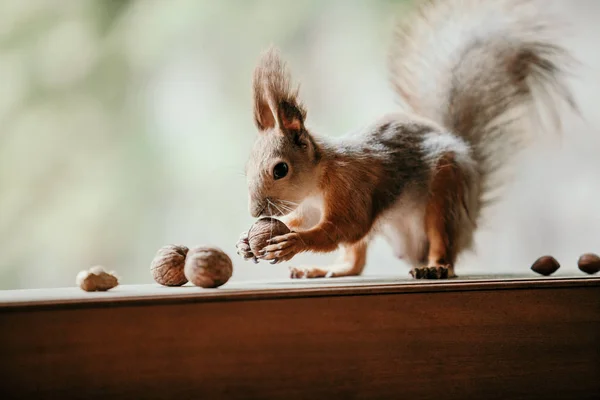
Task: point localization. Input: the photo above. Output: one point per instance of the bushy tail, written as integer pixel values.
(481, 68)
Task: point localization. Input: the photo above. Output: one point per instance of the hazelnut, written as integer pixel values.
(546, 265)
(263, 230)
(589, 263)
(96, 279)
(167, 265)
(208, 267)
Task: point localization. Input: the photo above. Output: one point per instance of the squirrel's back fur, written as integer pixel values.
(481, 68)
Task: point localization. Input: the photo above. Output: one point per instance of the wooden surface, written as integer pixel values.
(247, 290)
(519, 338)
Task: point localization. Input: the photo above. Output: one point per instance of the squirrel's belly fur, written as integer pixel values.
(402, 227)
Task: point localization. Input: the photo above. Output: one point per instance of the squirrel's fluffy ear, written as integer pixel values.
(275, 102)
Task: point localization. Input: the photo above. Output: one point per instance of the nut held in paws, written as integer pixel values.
(589, 263)
(167, 266)
(96, 279)
(263, 230)
(208, 267)
(546, 265)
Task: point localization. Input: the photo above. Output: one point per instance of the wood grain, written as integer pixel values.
(532, 340)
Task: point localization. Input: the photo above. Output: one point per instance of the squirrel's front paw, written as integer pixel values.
(282, 248)
(243, 248)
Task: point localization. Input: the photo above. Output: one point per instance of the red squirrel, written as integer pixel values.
(469, 73)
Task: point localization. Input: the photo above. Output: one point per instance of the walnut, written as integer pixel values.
(208, 267)
(589, 263)
(263, 230)
(96, 279)
(546, 265)
(167, 266)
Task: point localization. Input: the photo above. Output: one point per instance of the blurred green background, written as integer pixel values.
(125, 125)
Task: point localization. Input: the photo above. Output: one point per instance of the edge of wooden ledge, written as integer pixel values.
(154, 294)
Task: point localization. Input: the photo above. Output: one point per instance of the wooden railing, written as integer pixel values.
(477, 338)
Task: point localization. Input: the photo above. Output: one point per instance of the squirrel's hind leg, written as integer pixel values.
(442, 223)
(352, 263)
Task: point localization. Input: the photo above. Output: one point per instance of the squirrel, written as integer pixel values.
(469, 73)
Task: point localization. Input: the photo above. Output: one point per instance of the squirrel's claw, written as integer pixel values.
(283, 248)
(432, 272)
(243, 248)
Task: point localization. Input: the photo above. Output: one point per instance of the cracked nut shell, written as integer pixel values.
(589, 263)
(168, 264)
(208, 267)
(96, 279)
(263, 230)
(546, 265)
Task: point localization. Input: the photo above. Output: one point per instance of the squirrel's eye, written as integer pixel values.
(280, 170)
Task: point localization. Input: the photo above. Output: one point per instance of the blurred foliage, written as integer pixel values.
(109, 11)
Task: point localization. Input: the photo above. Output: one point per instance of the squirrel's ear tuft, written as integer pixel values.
(275, 101)
(263, 113)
